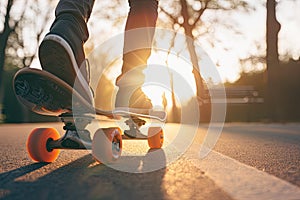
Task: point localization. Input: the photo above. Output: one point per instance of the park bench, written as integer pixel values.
(233, 95)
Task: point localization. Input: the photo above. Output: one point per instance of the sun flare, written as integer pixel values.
(167, 73)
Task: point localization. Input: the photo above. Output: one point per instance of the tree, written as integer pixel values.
(188, 15)
(21, 28)
(23, 25)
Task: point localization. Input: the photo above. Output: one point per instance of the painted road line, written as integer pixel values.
(240, 181)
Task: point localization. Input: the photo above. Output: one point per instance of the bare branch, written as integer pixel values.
(173, 18)
(17, 21)
(200, 12)
(30, 58)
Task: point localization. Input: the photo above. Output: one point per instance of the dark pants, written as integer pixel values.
(143, 13)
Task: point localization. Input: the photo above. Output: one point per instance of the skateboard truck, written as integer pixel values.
(76, 136)
(134, 124)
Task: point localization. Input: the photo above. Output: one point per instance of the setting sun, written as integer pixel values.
(162, 70)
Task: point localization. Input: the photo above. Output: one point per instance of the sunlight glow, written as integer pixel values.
(169, 66)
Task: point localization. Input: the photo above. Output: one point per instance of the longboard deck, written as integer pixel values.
(46, 94)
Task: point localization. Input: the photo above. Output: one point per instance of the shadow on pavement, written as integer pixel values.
(8, 177)
(83, 179)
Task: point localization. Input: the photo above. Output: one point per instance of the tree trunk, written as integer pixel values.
(7, 30)
(273, 28)
(191, 48)
(272, 57)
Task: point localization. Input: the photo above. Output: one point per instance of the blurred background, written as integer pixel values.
(253, 43)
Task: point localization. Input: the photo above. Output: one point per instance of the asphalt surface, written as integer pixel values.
(272, 148)
(268, 151)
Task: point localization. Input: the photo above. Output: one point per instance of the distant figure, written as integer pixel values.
(164, 101)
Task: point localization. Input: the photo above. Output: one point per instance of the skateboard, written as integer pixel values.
(46, 94)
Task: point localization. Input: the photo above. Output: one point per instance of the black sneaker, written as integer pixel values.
(61, 53)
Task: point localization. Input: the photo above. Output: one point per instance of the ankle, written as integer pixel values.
(75, 22)
(134, 78)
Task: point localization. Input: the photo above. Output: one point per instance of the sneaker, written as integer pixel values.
(61, 53)
(138, 99)
(130, 94)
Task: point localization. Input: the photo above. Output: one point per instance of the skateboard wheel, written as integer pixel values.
(107, 145)
(155, 137)
(37, 145)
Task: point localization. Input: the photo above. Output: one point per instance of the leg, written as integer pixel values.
(61, 52)
(137, 49)
(75, 15)
(142, 14)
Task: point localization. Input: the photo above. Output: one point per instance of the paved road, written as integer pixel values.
(273, 148)
(250, 161)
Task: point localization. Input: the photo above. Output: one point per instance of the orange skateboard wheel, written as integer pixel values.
(107, 144)
(155, 137)
(37, 145)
